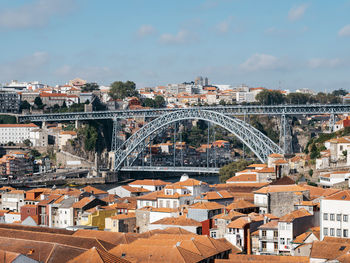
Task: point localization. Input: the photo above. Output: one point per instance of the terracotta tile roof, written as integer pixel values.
(257, 165)
(114, 238)
(151, 196)
(110, 198)
(173, 248)
(240, 204)
(30, 125)
(149, 182)
(159, 209)
(229, 216)
(316, 192)
(276, 155)
(190, 182)
(243, 178)
(280, 161)
(215, 195)
(293, 215)
(98, 256)
(123, 216)
(135, 189)
(93, 190)
(41, 251)
(239, 258)
(179, 221)
(340, 196)
(280, 188)
(8, 256)
(273, 224)
(7, 188)
(69, 240)
(327, 249)
(266, 170)
(301, 238)
(206, 205)
(81, 203)
(239, 223)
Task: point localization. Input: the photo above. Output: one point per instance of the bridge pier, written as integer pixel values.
(77, 124)
(285, 135)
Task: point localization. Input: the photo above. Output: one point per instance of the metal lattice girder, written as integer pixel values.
(227, 110)
(258, 143)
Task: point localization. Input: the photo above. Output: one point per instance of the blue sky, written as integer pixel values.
(287, 44)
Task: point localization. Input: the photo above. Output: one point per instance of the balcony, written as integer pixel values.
(268, 239)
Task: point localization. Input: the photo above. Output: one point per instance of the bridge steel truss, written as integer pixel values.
(240, 110)
(261, 145)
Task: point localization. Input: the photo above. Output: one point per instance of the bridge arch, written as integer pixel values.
(257, 142)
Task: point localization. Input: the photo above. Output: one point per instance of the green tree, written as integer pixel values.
(230, 169)
(121, 90)
(11, 144)
(311, 172)
(39, 103)
(222, 102)
(148, 103)
(90, 135)
(25, 105)
(159, 101)
(270, 97)
(339, 92)
(89, 87)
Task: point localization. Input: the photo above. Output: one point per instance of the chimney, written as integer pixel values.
(249, 242)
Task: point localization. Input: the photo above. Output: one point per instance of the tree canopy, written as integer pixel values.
(88, 87)
(275, 97)
(121, 90)
(39, 103)
(230, 169)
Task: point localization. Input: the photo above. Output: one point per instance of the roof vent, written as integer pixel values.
(342, 248)
(343, 197)
(123, 255)
(178, 244)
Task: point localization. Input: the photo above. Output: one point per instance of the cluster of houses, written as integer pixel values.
(260, 213)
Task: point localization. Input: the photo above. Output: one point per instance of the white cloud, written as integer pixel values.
(181, 37)
(324, 63)
(261, 62)
(297, 12)
(146, 30)
(345, 31)
(35, 14)
(28, 66)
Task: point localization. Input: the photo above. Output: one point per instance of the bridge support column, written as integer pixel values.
(331, 122)
(115, 141)
(77, 124)
(285, 135)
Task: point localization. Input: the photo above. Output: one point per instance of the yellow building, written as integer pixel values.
(96, 217)
(121, 223)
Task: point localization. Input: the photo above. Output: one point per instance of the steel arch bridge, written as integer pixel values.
(257, 142)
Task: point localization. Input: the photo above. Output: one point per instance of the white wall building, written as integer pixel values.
(335, 212)
(16, 133)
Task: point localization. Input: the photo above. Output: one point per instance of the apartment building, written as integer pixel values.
(16, 133)
(335, 212)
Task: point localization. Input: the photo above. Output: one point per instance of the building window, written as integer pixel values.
(338, 232)
(275, 233)
(213, 234)
(263, 233)
(275, 245)
(282, 241)
(325, 216)
(331, 232)
(338, 217)
(263, 245)
(325, 231)
(331, 217)
(345, 218)
(345, 233)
